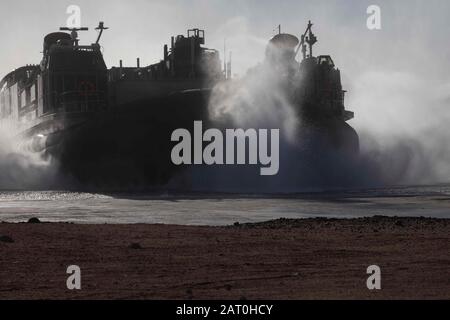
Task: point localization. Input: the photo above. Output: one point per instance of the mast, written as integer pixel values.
(309, 38)
(100, 27)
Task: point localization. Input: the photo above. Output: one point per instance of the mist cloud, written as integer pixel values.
(22, 168)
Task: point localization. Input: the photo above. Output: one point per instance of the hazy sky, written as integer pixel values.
(140, 28)
(387, 72)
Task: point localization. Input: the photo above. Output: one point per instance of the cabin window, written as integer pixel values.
(23, 99)
(9, 100)
(2, 103)
(33, 93)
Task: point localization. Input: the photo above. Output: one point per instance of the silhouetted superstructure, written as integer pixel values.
(68, 86)
(186, 66)
(322, 93)
(314, 86)
(115, 125)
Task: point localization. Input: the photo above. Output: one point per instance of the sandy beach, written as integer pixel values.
(280, 259)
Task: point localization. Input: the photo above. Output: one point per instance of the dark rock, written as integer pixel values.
(34, 220)
(6, 239)
(399, 223)
(135, 245)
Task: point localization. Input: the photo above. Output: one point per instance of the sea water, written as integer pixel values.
(222, 209)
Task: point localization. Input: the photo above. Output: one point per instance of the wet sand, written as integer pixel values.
(280, 259)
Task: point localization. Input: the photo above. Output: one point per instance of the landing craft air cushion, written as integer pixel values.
(113, 127)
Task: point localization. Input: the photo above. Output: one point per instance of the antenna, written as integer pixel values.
(74, 33)
(100, 27)
(229, 67)
(278, 28)
(225, 57)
